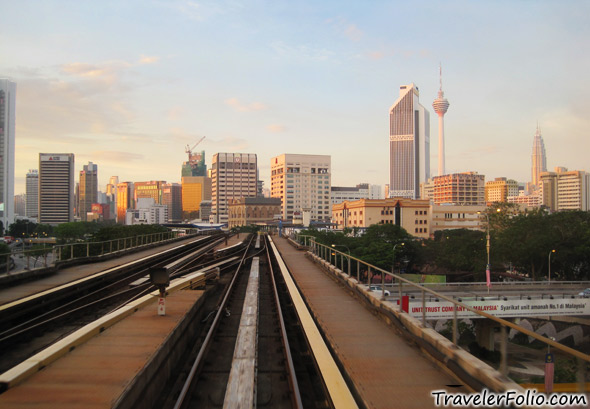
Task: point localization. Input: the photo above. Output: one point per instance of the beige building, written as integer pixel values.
(529, 201)
(467, 188)
(303, 184)
(252, 210)
(499, 189)
(565, 190)
(413, 215)
(445, 217)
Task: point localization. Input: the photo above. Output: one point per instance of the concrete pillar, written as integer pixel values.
(484, 333)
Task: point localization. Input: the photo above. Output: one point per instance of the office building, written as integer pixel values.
(151, 189)
(32, 189)
(412, 215)
(538, 159)
(565, 190)
(467, 188)
(20, 204)
(7, 144)
(448, 216)
(441, 105)
(125, 200)
(499, 189)
(253, 210)
(233, 176)
(172, 199)
(303, 183)
(56, 188)
(195, 189)
(339, 194)
(409, 144)
(87, 190)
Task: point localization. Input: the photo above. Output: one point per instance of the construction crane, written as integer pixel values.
(192, 158)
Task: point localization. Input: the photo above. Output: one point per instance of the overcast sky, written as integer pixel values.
(128, 84)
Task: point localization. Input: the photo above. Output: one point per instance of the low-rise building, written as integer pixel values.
(499, 189)
(253, 210)
(445, 217)
(412, 215)
(467, 188)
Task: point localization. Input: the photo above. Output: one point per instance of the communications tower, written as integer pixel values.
(441, 105)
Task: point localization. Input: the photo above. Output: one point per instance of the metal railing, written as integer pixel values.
(366, 272)
(71, 251)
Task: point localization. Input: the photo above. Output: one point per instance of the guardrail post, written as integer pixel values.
(382, 285)
(349, 272)
(455, 330)
(369, 277)
(400, 283)
(72, 251)
(580, 375)
(8, 263)
(111, 246)
(503, 350)
(87, 249)
(423, 308)
(358, 271)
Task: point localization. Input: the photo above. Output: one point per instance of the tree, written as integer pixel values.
(22, 228)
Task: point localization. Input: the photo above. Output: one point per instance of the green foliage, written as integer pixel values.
(119, 231)
(4, 248)
(458, 250)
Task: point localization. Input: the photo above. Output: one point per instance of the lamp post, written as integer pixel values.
(393, 262)
(552, 251)
(488, 272)
(342, 245)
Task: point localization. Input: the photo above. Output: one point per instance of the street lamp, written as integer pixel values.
(393, 262)
(552, 251)
(342, 245)
(488, 278)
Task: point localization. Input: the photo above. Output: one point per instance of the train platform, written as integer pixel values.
(106, 370)
(115, 367)
(68, 274)
(387, 371)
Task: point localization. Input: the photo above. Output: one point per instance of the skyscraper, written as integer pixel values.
(409, 144)
(56, 188)
(233, 176)
(538, 159)
(124, 200)
(303, 183)
(32, 189)
(441, 105)
(7, 142)
(88, 190)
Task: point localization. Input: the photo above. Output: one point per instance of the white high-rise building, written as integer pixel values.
(56, 188)
(233, 176)
(538, 159)
(7, 143)
(32, 189)
(409, 144)
(303, 183)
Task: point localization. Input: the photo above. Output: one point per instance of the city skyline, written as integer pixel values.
(130, 84)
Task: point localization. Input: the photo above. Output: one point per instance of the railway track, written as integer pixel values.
(254, 353)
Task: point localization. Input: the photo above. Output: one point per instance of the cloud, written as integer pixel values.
(346, 28)
(302, 52)
(275, 128)
(175, 113)
(240, 107)
(375, 55)
(148, 60)
(116, 156)
(202, 10)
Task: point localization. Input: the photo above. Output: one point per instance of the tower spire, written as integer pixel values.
(441, 105)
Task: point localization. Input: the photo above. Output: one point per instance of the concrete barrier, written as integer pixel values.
(473, 371)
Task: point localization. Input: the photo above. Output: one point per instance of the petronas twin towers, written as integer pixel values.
(538, 159)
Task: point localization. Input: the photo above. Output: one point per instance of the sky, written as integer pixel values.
(129, 84)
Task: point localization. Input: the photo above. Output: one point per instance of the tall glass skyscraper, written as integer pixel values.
(7, 141)
(409, 144)
(538, 159)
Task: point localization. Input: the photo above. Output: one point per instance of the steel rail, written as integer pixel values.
(186, 388)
